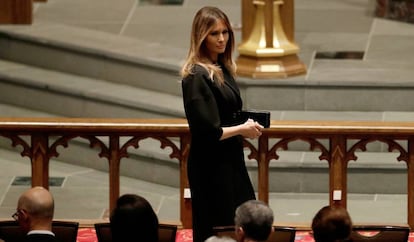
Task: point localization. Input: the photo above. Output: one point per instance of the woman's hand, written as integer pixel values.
(251, 129)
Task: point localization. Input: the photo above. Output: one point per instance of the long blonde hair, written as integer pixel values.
(203, 22)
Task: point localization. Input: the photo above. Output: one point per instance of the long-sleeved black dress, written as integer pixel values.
(217, 173)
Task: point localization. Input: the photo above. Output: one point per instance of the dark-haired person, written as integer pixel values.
(133, 219)
(331, 224)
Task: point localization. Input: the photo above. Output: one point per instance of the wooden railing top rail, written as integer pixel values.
(96, 125)
(343, 127)
(122, 126)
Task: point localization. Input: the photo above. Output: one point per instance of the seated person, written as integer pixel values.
(133, 219)
(253, 221)
(331, 224)
(34, 214)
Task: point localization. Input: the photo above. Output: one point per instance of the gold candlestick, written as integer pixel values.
(267, 52)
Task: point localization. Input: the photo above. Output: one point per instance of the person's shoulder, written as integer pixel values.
(199, 67)
(197, 72)
(41, 237)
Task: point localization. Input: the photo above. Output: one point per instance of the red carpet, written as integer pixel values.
(185, 235)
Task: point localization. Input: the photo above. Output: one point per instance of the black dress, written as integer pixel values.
(217, 173)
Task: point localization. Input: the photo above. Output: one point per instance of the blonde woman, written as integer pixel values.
(217, 174)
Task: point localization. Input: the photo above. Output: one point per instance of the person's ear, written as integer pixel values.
(24, 215)
(239, 233)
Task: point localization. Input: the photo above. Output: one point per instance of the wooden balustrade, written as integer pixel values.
(336, 153)
(16, 11)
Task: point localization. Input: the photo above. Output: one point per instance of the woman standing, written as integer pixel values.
(217, 174)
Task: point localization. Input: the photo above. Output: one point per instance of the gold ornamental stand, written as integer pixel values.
(268, 49)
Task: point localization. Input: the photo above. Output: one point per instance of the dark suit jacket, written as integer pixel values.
(41, 238)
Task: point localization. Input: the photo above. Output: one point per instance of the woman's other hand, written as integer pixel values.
(251, 129)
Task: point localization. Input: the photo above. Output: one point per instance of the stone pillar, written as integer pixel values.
(268, 49)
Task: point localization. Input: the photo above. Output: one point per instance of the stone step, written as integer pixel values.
(329, 85)
(79, 96)
(94, 54)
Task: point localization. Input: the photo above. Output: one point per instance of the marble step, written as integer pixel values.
(71, 95)
(93, 54)
(367, 85)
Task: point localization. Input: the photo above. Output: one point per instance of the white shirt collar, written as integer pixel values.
(41, 232)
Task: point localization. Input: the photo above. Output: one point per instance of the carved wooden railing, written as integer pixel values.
(46, 134)
(17, 11)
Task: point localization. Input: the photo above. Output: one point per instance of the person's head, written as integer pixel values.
(331, 223)
(211, 29)
(212, 40)
(35, 209)
(133, 217)
(219, 239)
(253, 221)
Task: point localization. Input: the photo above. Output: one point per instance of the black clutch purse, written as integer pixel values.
(262, 117)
